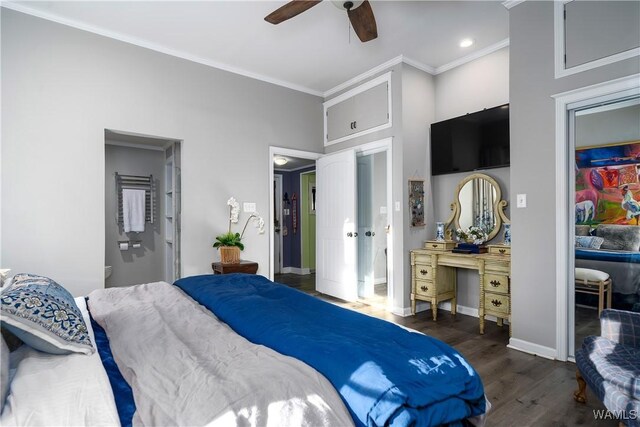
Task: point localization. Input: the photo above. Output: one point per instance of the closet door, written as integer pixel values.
(336, 244)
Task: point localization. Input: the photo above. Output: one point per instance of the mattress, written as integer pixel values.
(59, 390)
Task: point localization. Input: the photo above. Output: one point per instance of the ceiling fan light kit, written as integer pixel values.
(359, 12)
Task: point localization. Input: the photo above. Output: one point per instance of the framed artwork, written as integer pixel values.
(416, 202)
(608, 184)
(312, 198)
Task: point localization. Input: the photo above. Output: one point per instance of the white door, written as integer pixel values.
(336, 244)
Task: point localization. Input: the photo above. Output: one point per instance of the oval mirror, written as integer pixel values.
(477, 203)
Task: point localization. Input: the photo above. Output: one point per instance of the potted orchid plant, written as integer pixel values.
(230, 243)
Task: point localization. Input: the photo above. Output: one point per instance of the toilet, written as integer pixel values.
(107, 271)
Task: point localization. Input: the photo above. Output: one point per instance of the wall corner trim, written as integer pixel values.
(512, 3)
(532, 348)
(473, 56)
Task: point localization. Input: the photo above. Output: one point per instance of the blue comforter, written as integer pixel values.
(385, 374)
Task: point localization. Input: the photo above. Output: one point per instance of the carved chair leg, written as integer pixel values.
(580, 394)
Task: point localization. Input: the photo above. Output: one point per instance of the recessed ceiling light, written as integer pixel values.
(280, 161)
(466, 42)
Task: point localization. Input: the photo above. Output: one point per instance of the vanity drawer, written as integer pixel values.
(496, 283)
(423, 271)
(420, 257)
(496, 303)
(425, 288)
(434, 245)
(499, 250)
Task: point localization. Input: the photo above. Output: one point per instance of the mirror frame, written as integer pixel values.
(498, 207)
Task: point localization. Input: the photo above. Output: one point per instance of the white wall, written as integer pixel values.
(479, 84)
(62, 87)
(608, 127)
(418, 97)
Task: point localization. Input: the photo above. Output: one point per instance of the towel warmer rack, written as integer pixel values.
(136, 182)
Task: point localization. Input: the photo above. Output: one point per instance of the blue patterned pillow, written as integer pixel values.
(591, 242)
(44, 315)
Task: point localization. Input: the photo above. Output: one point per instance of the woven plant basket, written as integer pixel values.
(229, 254)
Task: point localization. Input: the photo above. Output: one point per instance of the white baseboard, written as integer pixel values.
(446, 306)
(532, 348)
(295, 270)
(401, 311)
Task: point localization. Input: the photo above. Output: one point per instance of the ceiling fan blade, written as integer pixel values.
(290, 10)
(363, 22)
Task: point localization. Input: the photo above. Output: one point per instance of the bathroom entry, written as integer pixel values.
(142, 209)
(372, 222)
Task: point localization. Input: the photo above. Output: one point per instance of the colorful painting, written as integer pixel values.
(608, 184)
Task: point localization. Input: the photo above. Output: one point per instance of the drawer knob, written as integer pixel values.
(424, 288)
(495, 283)
(496, 303)
(502, 251)
(423, 271)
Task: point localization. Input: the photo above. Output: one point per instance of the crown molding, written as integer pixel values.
(512, 3)
(21, 7)
(372, 72)
(419, 65)
(473, 56)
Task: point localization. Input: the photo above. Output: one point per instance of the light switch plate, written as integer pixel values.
(249, 207)
(397, 206)
(521, 201)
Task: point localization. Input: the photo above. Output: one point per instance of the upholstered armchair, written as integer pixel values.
(610, 365)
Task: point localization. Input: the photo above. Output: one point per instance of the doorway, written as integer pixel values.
(567, 104)
(142, 209)
(372, 221)
(292, 229)
(606, 193)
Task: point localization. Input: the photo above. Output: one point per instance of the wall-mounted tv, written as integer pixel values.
(471, 142)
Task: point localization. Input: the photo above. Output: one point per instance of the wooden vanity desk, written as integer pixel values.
(477, 202)
(434, 279)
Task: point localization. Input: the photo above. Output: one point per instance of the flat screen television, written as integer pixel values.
(471, 142)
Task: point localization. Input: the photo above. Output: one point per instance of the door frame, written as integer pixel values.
(303, 192)
(278, 191)
(281, 151)
(565, 217)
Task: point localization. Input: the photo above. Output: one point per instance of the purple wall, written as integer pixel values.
(291, 256)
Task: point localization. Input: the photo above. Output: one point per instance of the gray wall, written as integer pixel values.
(62, 87)
(483, 83)
(532, 121)
(607, 127)
(144, 264)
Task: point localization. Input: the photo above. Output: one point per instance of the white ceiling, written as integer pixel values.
(313, 52)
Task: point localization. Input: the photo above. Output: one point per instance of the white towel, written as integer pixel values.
(133, 207)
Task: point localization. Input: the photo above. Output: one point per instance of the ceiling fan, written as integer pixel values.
(359, 11)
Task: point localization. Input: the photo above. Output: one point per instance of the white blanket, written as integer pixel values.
(187, 368)
(59, 390)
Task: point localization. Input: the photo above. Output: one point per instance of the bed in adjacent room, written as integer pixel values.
(224, 350)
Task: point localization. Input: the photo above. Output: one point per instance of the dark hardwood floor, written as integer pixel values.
(524, 390)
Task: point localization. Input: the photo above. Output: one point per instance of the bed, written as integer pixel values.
(614, 249)
(241, 350)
